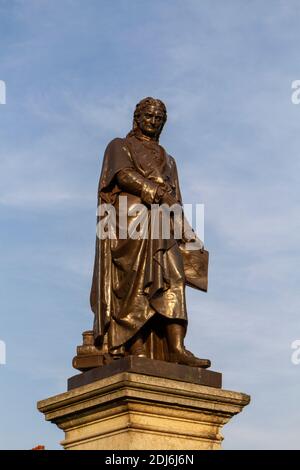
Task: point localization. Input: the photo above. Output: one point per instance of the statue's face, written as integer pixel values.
(151, 121)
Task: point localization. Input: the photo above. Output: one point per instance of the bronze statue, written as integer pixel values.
(138, 288)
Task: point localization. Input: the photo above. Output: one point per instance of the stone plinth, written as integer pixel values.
(145, 366)
(132, 410)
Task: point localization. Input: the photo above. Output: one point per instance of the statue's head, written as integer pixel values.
(149, 118)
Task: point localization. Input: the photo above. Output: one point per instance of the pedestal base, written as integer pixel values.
(146, 366)
(134, 411)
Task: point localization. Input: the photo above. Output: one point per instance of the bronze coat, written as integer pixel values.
(135, 278)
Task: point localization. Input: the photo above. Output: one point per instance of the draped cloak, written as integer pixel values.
(134, 279)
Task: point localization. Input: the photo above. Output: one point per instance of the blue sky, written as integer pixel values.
(74, 70)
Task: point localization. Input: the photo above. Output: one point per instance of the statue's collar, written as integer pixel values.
(144, 138)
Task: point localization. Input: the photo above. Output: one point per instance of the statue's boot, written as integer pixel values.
(177, 351)
(183, 357)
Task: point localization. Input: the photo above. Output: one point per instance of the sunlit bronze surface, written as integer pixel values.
(138, 288)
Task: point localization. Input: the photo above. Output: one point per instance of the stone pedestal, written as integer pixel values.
(132, 408)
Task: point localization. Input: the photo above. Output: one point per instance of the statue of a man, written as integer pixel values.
(138, 289)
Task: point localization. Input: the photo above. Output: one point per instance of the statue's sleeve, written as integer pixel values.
(133, 182)
(175, 181)
(116, 158)
(119, 172)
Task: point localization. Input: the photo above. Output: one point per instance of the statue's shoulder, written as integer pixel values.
(171, 160)
(115, 144)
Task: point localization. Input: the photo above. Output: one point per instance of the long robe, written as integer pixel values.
(135, 279)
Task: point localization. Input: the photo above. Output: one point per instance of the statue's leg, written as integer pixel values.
(177, 353)
(136, 346)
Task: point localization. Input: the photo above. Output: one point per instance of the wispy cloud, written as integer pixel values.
(74, 73)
